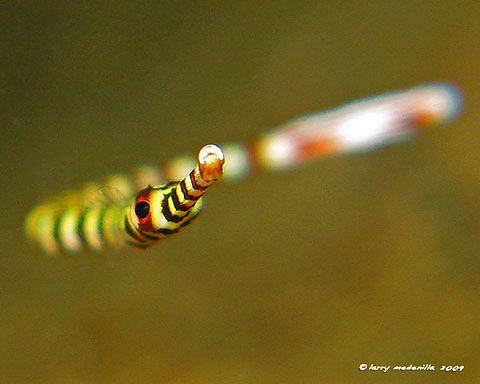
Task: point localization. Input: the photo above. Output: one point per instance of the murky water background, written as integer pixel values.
(286, 278)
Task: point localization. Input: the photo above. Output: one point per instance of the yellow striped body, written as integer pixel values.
(92, 218)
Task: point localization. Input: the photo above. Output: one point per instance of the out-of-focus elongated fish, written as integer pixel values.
(157, 201)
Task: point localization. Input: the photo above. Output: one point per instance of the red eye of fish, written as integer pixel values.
(142, 209)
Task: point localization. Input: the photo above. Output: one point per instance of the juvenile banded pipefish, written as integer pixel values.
(157, 201)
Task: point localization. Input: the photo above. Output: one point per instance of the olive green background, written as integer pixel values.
(297, 277)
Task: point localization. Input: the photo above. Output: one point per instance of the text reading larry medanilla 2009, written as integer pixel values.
(411, 367)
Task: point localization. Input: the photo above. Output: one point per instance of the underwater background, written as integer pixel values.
(294, 277)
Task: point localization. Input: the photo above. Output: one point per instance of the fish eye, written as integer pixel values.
(142, 209)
